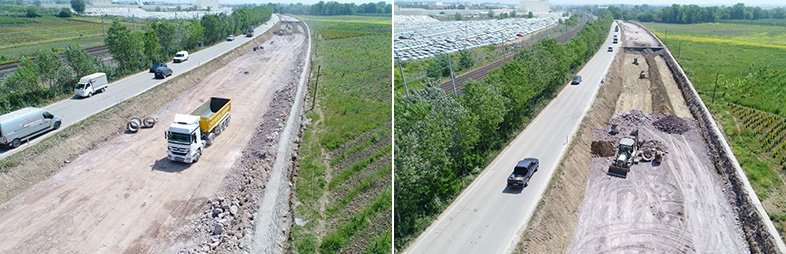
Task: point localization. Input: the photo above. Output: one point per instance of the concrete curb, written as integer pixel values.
(271, 221)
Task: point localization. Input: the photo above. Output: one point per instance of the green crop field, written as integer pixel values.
(24, 36)
(748, 100)
(343, 194)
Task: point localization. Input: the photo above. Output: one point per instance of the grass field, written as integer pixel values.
(343, 185)
(24, 36)
(748, 100)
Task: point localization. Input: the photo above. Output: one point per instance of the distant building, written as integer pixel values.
(100, 2)
(535, 6)
(204, 4)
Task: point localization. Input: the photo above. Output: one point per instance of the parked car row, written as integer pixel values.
(423, 38)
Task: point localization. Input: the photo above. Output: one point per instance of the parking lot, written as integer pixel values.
(417, 37)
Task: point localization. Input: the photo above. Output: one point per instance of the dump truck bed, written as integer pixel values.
(212, 112)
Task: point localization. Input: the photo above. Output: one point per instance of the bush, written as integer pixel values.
(64, 13)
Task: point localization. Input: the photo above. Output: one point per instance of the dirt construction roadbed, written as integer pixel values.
(123, 195)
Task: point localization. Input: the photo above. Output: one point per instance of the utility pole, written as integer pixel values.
(401, 70)
(452, 78)
(102, 26)
(715, 88)
(316, 86)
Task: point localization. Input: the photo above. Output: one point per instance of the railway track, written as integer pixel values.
(480, 73)
(97, 51)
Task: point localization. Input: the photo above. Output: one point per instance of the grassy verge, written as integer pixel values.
(748, 99)
(343, 184)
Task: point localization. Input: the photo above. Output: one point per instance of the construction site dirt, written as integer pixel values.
(685, 204)
(124, 196)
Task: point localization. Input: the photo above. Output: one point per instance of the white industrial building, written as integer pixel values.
(204, 4)
(535, 6)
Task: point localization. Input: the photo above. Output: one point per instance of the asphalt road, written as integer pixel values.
(487, 217)
(74, 110)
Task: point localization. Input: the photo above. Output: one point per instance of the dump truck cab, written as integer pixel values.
(184, 139)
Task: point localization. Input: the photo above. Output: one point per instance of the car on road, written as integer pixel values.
(230, 38)
(91, 84)
(162, 72)
(180, 56)
(611, 49)
(155, 66)
(523, 172)
(23, 124)
(576, 80)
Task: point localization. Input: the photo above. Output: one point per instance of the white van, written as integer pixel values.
(181, 56)
(91, 84)
(23, 124)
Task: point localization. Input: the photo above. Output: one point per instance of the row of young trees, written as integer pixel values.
(441, 140)
(163, 38)
(51, 76)
(689, 14)
(334, 8)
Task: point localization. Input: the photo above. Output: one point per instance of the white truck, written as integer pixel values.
(180, 56)
(24, 124)
(91, 84)
(190, 134)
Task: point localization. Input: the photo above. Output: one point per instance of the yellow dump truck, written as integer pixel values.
(188, 135)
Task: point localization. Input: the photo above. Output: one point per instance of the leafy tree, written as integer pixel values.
(51, 69)
(486, 103)
(465, 59)
(64, 13)
(490, 14)
(513, 14)
(78, 6)
(126, 47)
(24, 79)
(458, 16)
(152, 47)
(31, 12)
(530, 15)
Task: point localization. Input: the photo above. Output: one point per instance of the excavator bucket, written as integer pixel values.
(621, 172)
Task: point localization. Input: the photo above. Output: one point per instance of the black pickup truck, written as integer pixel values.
(523, 172)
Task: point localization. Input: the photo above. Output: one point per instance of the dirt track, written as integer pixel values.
(123, 195)
(681, 205)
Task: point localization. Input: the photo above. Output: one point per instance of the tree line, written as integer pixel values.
(334, 8)
(689, 14)
(443, 140)
(49, 77)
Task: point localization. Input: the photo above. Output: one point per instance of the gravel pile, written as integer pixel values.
(672, 125)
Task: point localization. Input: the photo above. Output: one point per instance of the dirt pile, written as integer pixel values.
(672, 125)
(602, 148)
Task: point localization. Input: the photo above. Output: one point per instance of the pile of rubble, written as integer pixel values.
(672, 125)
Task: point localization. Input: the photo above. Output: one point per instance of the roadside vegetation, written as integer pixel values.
(44, 77)
(444, 141)
(748, 100)
(343, 195)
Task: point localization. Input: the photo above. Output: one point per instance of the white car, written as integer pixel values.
(181, 56)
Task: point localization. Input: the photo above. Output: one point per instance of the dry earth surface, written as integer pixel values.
(124, 196)
(668, 207)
